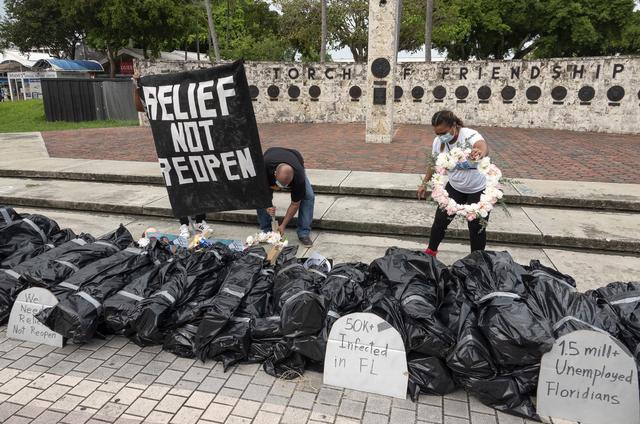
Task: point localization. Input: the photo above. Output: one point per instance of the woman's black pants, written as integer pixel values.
(477, 234)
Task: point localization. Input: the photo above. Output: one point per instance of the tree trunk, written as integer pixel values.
(323, 32)
(112, 63)
(212, 31)
(84, 49)
(428, 30)
(520, 54)
(198, 47)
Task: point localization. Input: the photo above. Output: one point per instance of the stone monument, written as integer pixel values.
(384, 24)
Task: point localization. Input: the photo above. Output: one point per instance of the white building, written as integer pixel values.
(20, 74)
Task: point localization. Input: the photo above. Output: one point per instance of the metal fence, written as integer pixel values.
(81, 99)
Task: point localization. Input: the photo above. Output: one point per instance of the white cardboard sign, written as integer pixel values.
(589, 376)
(364, 352)
(22, 323)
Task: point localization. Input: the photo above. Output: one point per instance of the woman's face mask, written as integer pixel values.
(279, 184)
(446, 137)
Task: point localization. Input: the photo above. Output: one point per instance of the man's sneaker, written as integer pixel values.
(184, 232)
(203, 226)
(305, 241)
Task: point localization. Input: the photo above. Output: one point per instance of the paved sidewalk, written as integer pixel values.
(521, 153)
(114, 380)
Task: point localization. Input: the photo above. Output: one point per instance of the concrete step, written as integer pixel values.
(590, 269)
(566, 194)
(530, 225)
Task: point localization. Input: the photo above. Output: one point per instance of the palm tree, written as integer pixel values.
(212, 31)
(323, 31)
(428, 28)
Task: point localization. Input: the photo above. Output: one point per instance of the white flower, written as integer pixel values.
(491, 194)
(143, 242)
(483, 165)
(250, 240)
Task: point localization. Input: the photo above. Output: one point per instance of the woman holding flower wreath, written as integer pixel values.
(466, 184)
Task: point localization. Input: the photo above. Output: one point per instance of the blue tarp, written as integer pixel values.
(69, 65)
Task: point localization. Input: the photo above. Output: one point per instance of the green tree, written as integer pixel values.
(34, 24)
(301, 26)
(496, 29)
(162, 24)
(249, 29)
(588, 28)
(154, 25)
(631, 35)
(347, 26)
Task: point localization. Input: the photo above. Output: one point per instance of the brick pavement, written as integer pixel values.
(114, 380)
(521, 153)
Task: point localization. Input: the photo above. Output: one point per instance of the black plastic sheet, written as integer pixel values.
(621, 301)
(428, 375)
(13, 281)
(238, 282)
(7, 216)
(121, 309)
(181, 283)
(78, 314)
(517, 331)
(566, 309)
(39, 248)
(181, 341)
(21, 237)
(55, 271)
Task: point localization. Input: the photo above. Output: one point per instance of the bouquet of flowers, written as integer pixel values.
(273, 238)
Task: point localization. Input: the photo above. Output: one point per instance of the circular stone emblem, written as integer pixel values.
(417, 92)
(558, 93)
(508, 93)
(533, 93)
(273, 91)
(253, 91)
(615, 93)
(314, 91)
(355, 92)
(380, 67)
(586, 93)
(484, 92)
(439, 92)
(294, 91)
(462, 92)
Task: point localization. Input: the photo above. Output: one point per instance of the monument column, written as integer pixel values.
(384, 16)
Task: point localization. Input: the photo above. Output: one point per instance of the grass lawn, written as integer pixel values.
(28, 115)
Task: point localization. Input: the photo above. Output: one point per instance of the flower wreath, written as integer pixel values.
(458, 158)
(273, 238)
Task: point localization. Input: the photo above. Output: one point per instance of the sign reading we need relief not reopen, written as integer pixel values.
(23, 325)
(589, 377)
(364, 352)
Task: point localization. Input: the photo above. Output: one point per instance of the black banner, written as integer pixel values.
(207, 139)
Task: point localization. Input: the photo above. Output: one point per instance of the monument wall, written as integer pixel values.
(582, 94)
